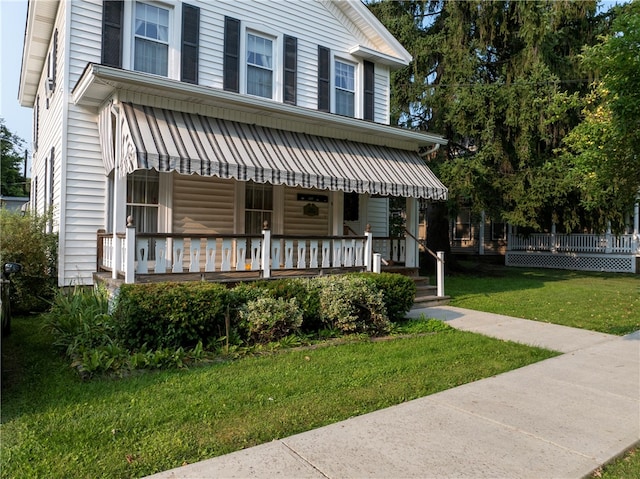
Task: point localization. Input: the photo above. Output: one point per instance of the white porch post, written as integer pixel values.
(368, 248)
(130, 273)
(119, 202)
(440, 273)
(337, 213)
(411, 248)
(266, 251)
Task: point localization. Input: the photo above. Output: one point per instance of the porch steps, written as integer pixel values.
(426, 294)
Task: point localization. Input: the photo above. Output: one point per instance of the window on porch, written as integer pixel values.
(258, 206)
(142, 200)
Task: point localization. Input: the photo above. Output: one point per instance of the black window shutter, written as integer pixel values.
(51, 171)
(231, 75)
(324, 81)
(369, 88)
(190, 38)
(54, 58)
(290, 69)
(351, 207)
(112, 11)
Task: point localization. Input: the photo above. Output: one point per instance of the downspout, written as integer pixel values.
(430, 151)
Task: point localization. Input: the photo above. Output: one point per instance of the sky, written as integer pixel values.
(13, 17)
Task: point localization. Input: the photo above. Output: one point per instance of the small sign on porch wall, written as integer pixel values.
(310, 210)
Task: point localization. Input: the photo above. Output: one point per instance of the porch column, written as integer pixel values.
(411, 245)
(119, 202)
(337, 213)
(636, 217)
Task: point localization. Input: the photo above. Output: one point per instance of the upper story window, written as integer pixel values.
(151, 48)
(259, 66)
(345, 88)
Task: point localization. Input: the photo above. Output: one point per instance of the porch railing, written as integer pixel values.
(167, 253)
(576, 243)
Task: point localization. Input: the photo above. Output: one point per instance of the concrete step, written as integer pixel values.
(430, 301)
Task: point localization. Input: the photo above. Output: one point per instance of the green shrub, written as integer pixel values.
(352, 304)
(270, 319)
(25, 241)
(305, 291)
(79, 319)
(171, 315)
(398, 292)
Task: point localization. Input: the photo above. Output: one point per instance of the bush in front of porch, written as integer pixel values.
(161, 325)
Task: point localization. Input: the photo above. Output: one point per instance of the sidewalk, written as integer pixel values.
(559, 418)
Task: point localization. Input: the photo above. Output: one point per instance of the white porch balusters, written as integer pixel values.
(194, 255)
(210, 263)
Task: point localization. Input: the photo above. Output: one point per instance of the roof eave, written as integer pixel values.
(98, 83)
(41, 17)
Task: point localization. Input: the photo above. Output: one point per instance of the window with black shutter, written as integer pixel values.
(231, 65)
(369, 80)
(290, 69)
(324, 82)
(112, 12)
(351, 207)
(190, 38)
(54, 59)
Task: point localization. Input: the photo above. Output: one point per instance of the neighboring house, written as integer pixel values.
(590, 251)
(13, 203)
(202, 120)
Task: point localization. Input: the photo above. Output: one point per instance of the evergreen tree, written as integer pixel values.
(502, 80)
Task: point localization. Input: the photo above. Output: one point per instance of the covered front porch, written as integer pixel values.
(201, 198)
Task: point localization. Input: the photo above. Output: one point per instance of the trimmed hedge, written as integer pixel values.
(398, 292)
(170, 315)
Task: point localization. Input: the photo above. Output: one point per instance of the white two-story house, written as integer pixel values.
(197, 122)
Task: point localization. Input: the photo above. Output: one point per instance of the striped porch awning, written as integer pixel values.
(168, 140)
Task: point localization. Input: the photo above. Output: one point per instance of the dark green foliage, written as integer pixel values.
(171, 315)
(503, 82)
(25, 241)
(12, 183)
(398, 292)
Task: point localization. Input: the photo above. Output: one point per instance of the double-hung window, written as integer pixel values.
(151, 49)
(258, 206)
(259, 66)
(345, 88)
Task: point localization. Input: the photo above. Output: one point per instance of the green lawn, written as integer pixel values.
(55, 425)
(609, 303)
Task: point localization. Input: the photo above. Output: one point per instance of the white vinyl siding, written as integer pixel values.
(378, 216)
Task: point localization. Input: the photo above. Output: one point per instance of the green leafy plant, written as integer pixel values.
(352, 304)
(271, 319)
(79, 320)
(398, 292)
(24, 240)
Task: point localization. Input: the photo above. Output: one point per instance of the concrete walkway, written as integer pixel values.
(559, 418)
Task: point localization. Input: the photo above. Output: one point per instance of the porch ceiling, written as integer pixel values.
(168, 140)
